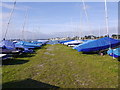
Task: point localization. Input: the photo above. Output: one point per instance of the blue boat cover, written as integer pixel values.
(26, 50)
(114, 52)
(35, 42)
(26, 44)
(99, 44)
(22, 46)
(7, 44)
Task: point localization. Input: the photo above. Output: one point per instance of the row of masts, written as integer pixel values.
(88, 22)
(85, 11)
(8, 24)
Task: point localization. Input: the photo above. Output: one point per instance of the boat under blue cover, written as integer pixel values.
(8, 47)
(35, 42)
(22, 46)
(26, 44)
(7, 44)
(97, 45)
(86, 41)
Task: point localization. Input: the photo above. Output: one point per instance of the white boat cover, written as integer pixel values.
(73, 42)
(1, 55)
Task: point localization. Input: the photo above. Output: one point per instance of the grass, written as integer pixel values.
(59, 66)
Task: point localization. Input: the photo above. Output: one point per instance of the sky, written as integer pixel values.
(58, 19)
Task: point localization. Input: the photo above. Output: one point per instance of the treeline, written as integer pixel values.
(93, 37)
(116, 36)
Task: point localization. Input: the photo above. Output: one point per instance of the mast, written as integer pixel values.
(106, 17)
(11, 13)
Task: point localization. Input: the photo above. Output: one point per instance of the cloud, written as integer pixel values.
(10, 6)
(4, 15)
(86, 7)
(81, 33)
(6, 5)
(80, 5)
(17, 34)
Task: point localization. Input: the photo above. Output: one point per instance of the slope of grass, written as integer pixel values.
(61, 66)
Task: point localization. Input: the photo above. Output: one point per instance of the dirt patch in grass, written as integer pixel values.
(47, 53)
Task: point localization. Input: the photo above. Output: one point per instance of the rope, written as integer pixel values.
(86, 14)
(11, 13)
(24, 24)
(99, 31)
(81, 25)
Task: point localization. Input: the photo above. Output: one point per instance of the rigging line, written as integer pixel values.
(71, 25)
(11, 13)
(99, 31)
(81, 24)
(24, 24)
(86, 14)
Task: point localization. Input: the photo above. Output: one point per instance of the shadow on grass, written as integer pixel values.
(14, 62)
(24, 55)
(90, 53)
(36, 49)
(43, 47)
(119, 59)
(96, 52)
(28, 83)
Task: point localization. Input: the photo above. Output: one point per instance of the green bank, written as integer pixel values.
(59, 66)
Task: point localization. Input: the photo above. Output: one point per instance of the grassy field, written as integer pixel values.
(59, 66)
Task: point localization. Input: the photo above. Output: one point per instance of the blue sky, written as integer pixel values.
(60, 18)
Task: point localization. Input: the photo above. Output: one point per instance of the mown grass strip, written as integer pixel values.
(61, 66)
